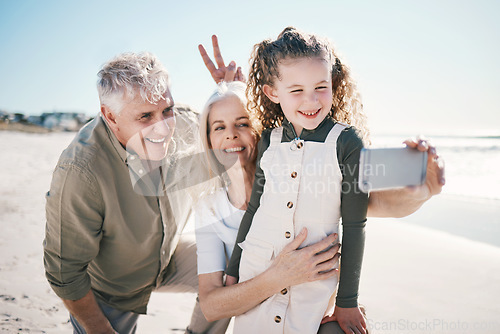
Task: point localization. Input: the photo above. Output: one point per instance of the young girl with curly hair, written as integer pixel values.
(305, 181)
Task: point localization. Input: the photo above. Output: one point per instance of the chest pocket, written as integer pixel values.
(256, 257)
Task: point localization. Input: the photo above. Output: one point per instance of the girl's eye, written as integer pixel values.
(219, 128)
(296, 91)
(321, 87)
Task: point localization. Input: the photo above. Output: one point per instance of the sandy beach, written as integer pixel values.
(436, 271)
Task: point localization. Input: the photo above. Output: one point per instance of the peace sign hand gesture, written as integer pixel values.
(221, 72)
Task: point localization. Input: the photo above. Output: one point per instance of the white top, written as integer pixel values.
(217, 222)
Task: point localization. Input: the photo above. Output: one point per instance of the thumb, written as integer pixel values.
(295, 243)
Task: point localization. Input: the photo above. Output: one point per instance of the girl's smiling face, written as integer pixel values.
(231, 135)
(304, 91)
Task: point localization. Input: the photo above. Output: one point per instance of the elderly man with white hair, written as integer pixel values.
(116, 206)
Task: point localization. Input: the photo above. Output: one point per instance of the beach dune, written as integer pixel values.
(420, 274)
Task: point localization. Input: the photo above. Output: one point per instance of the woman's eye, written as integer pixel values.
(219, 128)
(243, 125)
(145, 116)
(321, 87)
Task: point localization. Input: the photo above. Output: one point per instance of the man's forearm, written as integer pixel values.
(88, 314)
(395, 203)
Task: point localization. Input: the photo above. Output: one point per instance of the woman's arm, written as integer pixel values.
(292, 266)
(403, 202)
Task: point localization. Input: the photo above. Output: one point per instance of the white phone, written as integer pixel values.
(393, 167)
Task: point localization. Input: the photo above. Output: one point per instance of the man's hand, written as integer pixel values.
(405, 201)
(435, 179)
(88, 313)
(221, 72)
(351, 320)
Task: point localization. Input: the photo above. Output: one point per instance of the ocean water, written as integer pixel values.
(472, 162)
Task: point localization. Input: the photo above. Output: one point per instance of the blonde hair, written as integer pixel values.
(293, 44)
(129, 74)
(218, 177)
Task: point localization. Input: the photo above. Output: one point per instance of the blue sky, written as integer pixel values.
(421, 66)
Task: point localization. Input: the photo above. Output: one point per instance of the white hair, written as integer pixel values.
(129, 74)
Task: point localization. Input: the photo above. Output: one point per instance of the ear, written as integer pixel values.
(109, 116)
(270, 93)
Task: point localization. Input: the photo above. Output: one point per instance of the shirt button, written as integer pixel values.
(141, 171)
(277, 319)
(284, 291)
(163, 252)
(132, 157)
(288, 235)
(293, 175)
(300, 144)
(289, 205)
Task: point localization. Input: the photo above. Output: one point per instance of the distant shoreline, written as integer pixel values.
(27, 128)
(30, 128)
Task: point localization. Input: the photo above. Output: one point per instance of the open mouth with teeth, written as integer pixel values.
(309, 113)
(233, 149)
(155, 140)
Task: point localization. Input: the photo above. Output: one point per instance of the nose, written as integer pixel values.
(231, 133)
(312, 97)
(164, 125)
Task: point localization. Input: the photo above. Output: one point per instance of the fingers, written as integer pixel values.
(295, 243)
(421, 143)
(328, 255)
(206, 59)
(230, 72)
(328, 319)
(328, 265)
(441, 171)
(217, 54)
(323, 244)
(239, 75)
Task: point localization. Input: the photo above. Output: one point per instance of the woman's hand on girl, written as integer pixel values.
(314, 262)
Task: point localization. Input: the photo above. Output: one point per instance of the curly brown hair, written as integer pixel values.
(292, 44)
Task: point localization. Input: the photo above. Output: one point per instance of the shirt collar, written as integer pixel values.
(289, 131)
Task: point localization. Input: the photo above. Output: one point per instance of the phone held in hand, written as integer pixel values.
(392, 167)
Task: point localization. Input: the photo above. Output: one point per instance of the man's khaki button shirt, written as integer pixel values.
(110, 227)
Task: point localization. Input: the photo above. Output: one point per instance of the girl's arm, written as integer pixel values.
(353, 210)
(290, 267)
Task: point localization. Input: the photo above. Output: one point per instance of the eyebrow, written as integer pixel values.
(239, 118)
(170, 107)
(298, 85)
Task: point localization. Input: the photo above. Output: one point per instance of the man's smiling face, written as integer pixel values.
(144, 128)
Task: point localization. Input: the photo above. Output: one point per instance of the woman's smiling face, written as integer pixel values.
(231, 135)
